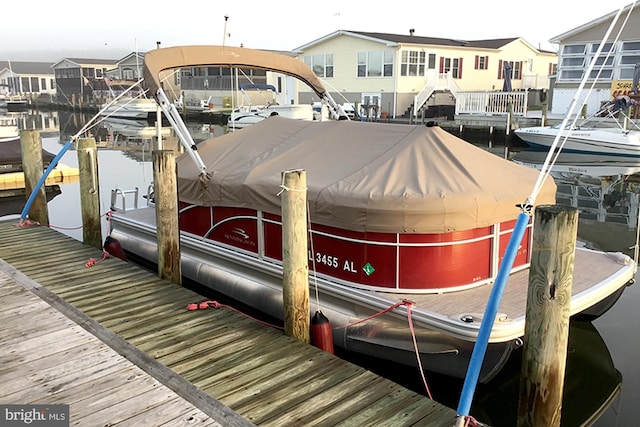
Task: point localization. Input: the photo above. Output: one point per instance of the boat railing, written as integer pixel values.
(119, 195)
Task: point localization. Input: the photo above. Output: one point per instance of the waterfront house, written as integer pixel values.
(614, 67)
(28, 79)
(387, 71)
(76, 78)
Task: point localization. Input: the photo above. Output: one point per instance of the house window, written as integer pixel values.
(89, 73)
(629, 57)
(128, 74)
(412, 63)
(577, 58)
(43, 84)
(451, 65)
(375, 63)
(432, 61)
(481, 62)
(516, 69)
(321, 64)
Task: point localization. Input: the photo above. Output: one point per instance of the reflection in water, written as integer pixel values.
(13, 201)
(603, 188)
(137, 138)
(592, 382)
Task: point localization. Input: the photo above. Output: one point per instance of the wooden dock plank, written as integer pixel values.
(257, 371)
(98, 384)
(40, 378)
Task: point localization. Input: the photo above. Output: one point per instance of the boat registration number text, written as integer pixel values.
(332, 261)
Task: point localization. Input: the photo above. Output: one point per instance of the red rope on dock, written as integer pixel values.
(93, 261)
(27, 223)
(408, 304)
(215, 304)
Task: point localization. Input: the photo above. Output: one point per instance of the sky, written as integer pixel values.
(113, 28)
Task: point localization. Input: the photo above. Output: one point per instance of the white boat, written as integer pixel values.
(251, 112)
(134, 129)
(589, 140)
(242, 117)
(404, 220)
(131, 108)
(9, 130)
(609, 132)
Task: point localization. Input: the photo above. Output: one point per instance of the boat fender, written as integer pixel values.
(321, 335)
(112, 246)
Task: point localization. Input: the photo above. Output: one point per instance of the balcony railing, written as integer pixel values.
(492, 103)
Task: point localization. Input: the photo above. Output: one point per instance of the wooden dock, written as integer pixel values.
(233, 369)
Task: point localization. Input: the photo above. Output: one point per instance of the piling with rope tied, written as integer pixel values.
(89, 192)
(295, 266)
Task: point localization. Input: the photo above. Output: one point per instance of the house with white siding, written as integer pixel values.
(30, 79)
(613, 68)
(387, 71)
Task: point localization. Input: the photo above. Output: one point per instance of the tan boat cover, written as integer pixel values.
(159, 60)
(377, 177)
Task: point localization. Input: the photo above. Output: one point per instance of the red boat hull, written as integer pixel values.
(384, 261)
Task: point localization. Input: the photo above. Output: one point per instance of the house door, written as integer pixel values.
(370, 106)
(431, 72)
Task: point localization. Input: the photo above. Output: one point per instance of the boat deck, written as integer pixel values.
(590, 268)
(262, 375)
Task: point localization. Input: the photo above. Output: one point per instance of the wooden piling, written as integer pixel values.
(295, 267)
(33, 169)
(545, 112)
(89, 192)
(547, 316)
(166, 200)
(509, 119)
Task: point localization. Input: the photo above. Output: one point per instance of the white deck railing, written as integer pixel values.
(440, 81)
(492, 103)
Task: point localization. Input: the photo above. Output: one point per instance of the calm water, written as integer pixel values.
(602, 354)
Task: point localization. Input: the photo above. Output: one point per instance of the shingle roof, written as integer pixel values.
(91, 61)
(404, 38)
(22, 67)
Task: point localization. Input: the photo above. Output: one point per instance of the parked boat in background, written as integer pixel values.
(609, 132)
(259, 102)
(134, 129)
(131, 108)
(9, 130)
(406, 222)
(16, 103)
(243, 116)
